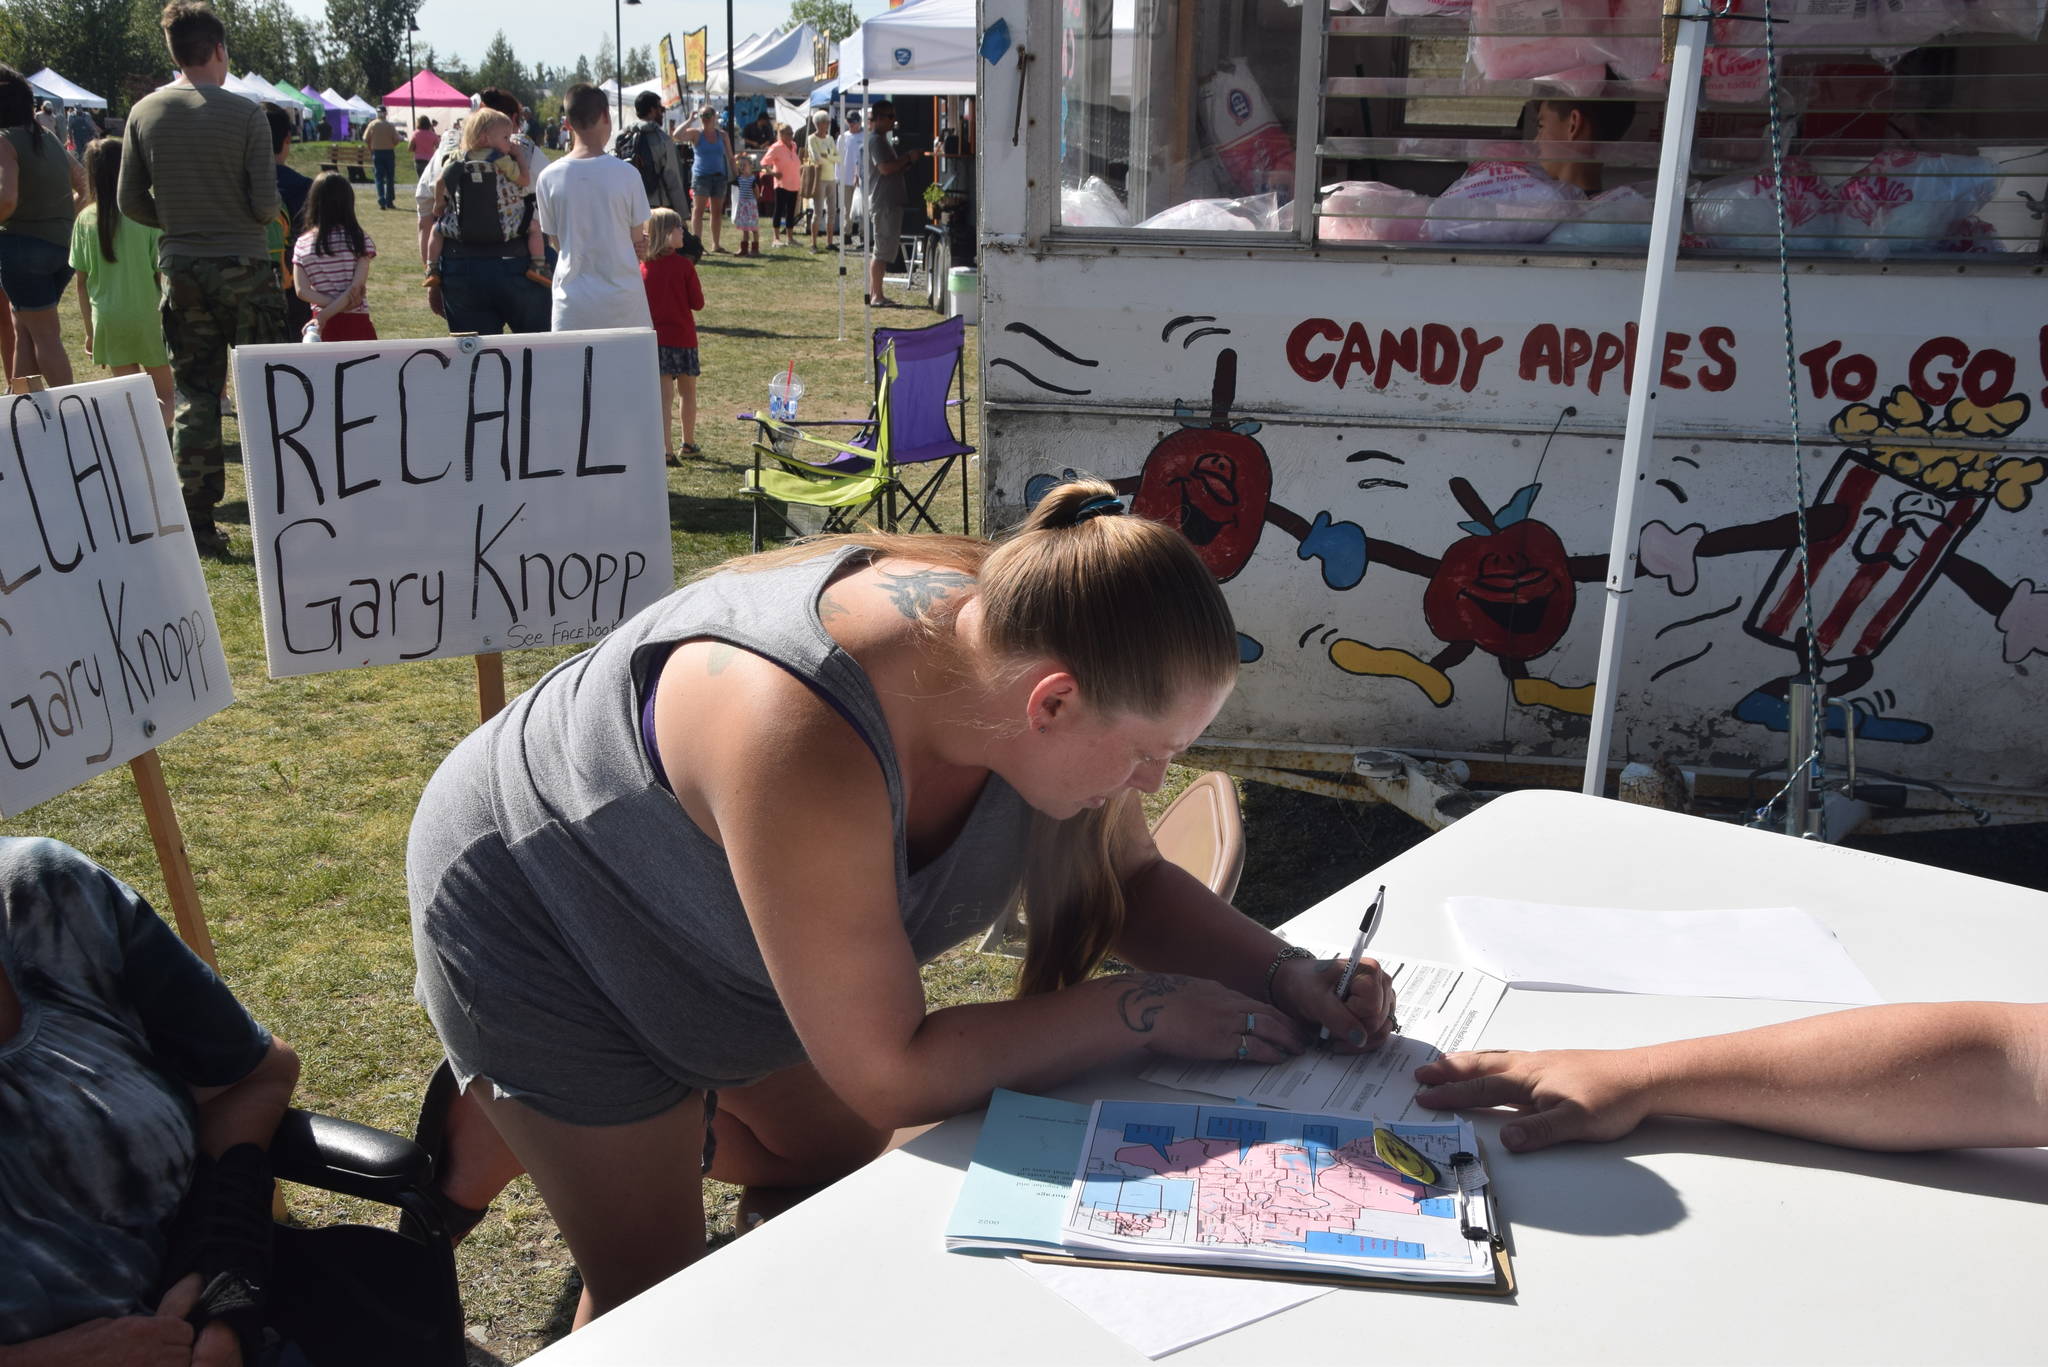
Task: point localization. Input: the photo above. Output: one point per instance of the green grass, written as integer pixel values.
(295, 801)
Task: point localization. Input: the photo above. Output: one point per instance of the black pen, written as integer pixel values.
(1366, 926)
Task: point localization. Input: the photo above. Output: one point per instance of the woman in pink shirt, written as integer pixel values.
(781, 160)
(424, 141)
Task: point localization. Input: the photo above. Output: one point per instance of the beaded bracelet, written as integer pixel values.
(1291, 952)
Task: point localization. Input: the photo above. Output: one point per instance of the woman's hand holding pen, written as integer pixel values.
(1307, 990)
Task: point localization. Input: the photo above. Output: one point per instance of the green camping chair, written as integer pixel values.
(846, 482)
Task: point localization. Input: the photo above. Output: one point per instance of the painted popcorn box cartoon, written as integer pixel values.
(1902, 512)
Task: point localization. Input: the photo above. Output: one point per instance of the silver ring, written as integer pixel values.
(1251, 1023)
(1244, 1048)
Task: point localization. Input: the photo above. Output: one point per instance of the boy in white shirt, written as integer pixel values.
(595, 208)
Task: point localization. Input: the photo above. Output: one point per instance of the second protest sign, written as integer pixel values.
(416, 500)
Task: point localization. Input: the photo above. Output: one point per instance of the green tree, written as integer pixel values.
(582, 73)
(501, 69)
(835, 17)
(100, 44)
(373, 33)
(606, 64)
(640, 64)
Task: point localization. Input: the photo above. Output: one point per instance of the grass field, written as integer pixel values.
(295, 801)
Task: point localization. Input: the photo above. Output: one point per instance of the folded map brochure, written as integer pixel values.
(1236, 1187)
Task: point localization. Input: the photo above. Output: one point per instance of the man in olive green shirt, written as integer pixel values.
(197, 164)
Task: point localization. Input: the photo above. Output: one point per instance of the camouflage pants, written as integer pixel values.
(209, 305)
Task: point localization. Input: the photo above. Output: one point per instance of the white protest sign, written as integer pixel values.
(418, 499)
(107, 639)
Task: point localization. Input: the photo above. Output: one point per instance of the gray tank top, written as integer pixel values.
(630, 887)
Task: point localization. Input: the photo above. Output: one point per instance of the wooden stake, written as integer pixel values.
(170, 854)
(490, 685)
(26, 384)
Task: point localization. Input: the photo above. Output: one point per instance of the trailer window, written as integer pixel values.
(1913, 128)
(1178, 115)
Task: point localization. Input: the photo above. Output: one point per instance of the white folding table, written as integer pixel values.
(1684, 1243)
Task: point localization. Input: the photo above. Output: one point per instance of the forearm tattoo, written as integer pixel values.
(914, 593)
(1140, 1003)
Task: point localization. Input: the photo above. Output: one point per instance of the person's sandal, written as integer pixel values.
(690, 448)
(672, 460)
(431, 1134)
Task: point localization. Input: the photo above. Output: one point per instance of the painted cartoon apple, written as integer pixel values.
(1507, 588)
(1211, 480)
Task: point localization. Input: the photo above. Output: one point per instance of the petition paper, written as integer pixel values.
(1442, 1009)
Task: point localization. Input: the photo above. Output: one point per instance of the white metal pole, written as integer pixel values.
(867, 209)
(1674, 163)
(838, 218)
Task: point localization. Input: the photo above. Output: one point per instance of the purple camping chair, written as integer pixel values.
(923, 447)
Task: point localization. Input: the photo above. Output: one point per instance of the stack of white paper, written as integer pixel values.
(1770, 953)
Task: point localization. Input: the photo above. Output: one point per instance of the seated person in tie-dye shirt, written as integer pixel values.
(137, 1100)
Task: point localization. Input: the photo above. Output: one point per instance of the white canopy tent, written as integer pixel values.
(49, 84)
(633, 92)
(922, 47)
(780, 66)
(714, 65)
(261, 90)
(361, 106)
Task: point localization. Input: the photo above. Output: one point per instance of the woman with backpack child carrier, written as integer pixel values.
(481, 199)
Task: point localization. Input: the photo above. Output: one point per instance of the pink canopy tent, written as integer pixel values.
(425, 91)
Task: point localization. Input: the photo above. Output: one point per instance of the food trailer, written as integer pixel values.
(1353, 297)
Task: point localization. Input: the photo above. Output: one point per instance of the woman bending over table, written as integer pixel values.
(674, 898)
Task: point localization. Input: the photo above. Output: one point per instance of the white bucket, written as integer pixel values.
(784, 390)
(963, 294)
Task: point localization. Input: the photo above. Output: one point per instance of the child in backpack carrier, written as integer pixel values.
(481, 199)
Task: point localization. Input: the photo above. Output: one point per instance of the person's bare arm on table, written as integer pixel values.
(1920, 1076)
(1173, 923)
(780, 764)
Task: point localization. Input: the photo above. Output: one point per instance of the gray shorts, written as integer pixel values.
(509, 1000)
(888, 227)
(711, 186)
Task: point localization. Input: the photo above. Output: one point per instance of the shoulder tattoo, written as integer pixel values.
(916, 592)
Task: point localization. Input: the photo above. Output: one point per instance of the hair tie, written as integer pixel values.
(1101, 505)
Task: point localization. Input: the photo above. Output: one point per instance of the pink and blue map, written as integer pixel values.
(1225, 1179)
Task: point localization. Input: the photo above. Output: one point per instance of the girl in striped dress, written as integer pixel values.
(331, 264)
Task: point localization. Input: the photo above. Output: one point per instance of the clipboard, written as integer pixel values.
(1501, 1287)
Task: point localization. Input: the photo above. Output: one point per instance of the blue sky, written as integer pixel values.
(555, 32)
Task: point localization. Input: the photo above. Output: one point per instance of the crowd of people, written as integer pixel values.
(191, 233)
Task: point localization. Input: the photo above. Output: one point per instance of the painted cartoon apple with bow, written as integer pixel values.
(1507, 587)
(1210, 480)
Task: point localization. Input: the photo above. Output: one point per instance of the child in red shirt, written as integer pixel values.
(674, 294)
